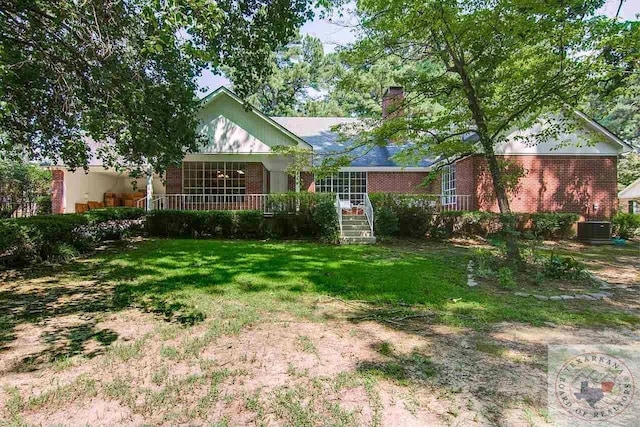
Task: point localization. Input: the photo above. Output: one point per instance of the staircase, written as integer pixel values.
(356, 230)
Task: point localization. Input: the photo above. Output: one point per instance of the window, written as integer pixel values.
(348, 185)
(634, 206)
(449, 184)
(214, 177)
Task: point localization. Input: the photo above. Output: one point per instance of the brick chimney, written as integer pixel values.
(392, 102)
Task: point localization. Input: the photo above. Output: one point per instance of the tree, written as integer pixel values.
(123, 72)
(21, 186)
(490, 65)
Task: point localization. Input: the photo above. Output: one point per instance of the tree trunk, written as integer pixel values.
(508, 226)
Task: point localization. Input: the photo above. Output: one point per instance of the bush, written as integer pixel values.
(51, 237)
(563, 267)
(386, 222)
(250, 224)
(557, 225)
(626, 225)
(295, 215)
(44, 205)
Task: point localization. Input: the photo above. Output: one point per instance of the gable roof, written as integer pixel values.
(223, 90)
(318, 131)
(631, 191)
(610, 136)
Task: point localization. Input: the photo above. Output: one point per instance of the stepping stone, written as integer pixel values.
(566, 297)
(541, 297)
(584, 297)
(601, 295)
(555, 298)
(521, 294)
(471, 282)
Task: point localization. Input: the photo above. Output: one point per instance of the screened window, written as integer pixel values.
(449, 184)
(214, 177)
(348, 185)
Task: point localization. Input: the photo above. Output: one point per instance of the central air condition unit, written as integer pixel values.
(595, 232)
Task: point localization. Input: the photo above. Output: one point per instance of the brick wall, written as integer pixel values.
(57, 191)
(551, 184)
(307, 182)
(254, 178)
(174, 180)
(397, 182)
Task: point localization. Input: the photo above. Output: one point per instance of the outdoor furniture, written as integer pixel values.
(81, 207)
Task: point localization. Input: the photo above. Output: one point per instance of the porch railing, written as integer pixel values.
(208, 202)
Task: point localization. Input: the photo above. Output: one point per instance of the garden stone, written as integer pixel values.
(541, 297)
(471, 281)
(584, 297)
(555, 298)
(521, 294)
(601, 295)
(566, 297)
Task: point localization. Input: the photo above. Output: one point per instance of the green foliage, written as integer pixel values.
(563, 267)
(629, 165)
(59, 237)
(125, 71)
(626, 225)
(250, 224)
(44, 205)
(22, 184)
(386, 222)
(505, 277)
(416, 216)
(295, 215)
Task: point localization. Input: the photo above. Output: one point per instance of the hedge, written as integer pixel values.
(47, 237)
(295, 215)
(417, 216)
(626, 225)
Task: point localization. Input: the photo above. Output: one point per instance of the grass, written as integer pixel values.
(207, 291)
(236, 282)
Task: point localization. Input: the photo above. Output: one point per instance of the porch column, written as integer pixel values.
(297, 181)
(149, 188)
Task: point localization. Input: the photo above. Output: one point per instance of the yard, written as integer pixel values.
(236, 333)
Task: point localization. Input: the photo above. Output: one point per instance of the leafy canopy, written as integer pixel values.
(123, 72)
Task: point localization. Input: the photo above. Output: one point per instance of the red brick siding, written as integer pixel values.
(57, 191)
(466, 179)
(254, 178)
(551, 184)
(397, 182)
(174, 180)
(307, 182)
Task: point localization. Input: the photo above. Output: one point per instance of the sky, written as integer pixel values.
(335, 31)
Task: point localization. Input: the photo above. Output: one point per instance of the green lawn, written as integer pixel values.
(239, 332)
(191, 279)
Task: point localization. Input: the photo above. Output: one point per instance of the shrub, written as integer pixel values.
(325, 220)
(386, 222)
(556, 225)
(44, 205)
(50, 237)
(626, 225)
(563, 267)
(250, 224)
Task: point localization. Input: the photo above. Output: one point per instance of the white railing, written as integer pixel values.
(339, 212)
(209, 202)
(368, 211)
(453, 203)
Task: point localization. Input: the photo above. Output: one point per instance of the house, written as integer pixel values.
(237, 168)
(630, 198)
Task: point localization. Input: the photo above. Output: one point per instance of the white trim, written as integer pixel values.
(385, 169)
(222, 89)
(608, 135)
(628, 188)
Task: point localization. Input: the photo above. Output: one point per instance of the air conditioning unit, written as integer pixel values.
(595, 232)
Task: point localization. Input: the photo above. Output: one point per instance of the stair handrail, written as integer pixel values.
(339, 212)
(368, 211)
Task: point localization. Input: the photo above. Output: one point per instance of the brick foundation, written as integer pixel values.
(57, 191)
(551, 184)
